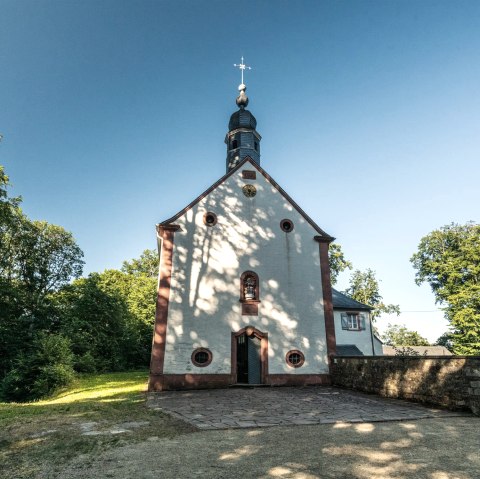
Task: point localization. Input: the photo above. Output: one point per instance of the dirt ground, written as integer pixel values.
(446, 448)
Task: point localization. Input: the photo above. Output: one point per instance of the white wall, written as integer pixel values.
(378, 346)
(362, 338)
(207, 263)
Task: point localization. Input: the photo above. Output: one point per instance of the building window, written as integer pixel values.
(295, 358)
(256, 145)
(286, 226)
(234, 144)
(201, 357)
(210, 219)
(353, 321)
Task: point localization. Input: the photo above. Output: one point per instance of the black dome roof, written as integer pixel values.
(242, 119)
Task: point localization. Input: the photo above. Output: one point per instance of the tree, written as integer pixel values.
(364, 287)
(7, 204)
(36, 259)
(109, 318)
(449, 260)
(9, 212)
(337, 261)
(147, 264)
(399, 335)
(94, 316)
(42, 258)
(445, 340)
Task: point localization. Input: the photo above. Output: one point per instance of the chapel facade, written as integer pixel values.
(244, 292)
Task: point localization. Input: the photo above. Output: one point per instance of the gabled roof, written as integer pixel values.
(268, 178)
(342, 301)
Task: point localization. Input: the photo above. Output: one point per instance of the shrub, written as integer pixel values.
(85, 363)
(46, 367)
(51, 378)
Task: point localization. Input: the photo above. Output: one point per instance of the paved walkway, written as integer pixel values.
(263, 407)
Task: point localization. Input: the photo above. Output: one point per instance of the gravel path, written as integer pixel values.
(435, 448)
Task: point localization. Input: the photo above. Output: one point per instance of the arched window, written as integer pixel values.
(234, 144)
(249, 293)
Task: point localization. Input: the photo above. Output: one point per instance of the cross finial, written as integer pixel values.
(242, 67)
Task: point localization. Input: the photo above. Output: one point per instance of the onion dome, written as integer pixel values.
(242, 138)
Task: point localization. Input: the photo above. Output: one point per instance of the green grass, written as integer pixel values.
(37, 438)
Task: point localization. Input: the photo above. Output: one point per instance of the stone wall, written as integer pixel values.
(448, 381)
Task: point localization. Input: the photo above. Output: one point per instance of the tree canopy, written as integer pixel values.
(147, 264)
(364, 287)
(338, 262)
(109, 318)
(399, 335)
(449, 260)
(37, 259)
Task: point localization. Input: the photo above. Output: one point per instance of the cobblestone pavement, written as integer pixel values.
(263, 407)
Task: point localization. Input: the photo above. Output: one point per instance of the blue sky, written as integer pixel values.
(114, 114)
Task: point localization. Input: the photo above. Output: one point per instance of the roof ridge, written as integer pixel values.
(268, 178)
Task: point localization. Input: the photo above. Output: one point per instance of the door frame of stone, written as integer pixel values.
(251, 331)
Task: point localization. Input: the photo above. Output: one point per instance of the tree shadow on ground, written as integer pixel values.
(427, 449)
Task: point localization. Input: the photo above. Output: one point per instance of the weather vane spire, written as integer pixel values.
(242, 67)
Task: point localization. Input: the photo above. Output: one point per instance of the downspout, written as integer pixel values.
(371, 333)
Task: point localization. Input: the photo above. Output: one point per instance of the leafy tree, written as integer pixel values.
(138, 291)
(399, 335)
(7, 204)
(445, 340)
(337, 261)
(36, 259)
(10, 212)
(11, 326)
(94, 317)
(449, 260)
(147, 264)
(109, 317)
(43, 258)
(364, 287)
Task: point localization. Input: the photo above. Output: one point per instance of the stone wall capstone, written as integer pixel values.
(448, 381)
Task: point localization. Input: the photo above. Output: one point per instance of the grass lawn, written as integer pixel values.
(98, 412)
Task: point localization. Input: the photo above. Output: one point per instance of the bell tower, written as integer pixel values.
(242, 138)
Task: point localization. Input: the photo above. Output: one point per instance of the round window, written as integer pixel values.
(286, 226)
(210, 219)
(249, 191)
(201, 357)
(295, 358)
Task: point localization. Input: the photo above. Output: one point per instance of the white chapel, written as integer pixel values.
(244, 292)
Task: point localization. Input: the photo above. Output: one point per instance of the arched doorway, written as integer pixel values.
(249, 356)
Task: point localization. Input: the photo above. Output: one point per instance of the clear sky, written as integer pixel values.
(114, 114)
